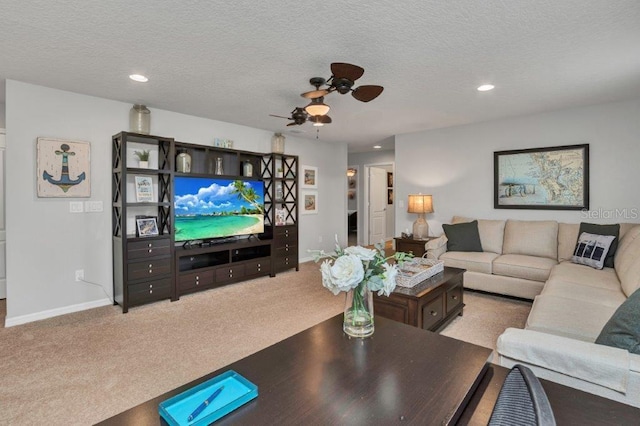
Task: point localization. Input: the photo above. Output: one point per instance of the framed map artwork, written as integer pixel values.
(555, 178)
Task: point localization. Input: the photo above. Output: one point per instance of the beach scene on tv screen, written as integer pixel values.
(208, 208)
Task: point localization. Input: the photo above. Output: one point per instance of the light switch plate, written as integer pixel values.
(76, 207)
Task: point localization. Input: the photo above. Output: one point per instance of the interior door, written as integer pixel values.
(377, 205)
(3, 242)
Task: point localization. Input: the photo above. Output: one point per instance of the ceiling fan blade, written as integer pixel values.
(313, 94)
(280, 116)
(325, 119)
(348, 71)
(292, 124)
(367, 93)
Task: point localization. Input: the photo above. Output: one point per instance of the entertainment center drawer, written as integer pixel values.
(285, 262)
(287, 250)
(149, 291)
(258, 266)
(150, 248)
(149, 269)
(194, 280)
(432, 313)
(286, 232)
(229, 273)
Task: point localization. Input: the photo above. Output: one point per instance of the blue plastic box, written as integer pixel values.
(237, 392)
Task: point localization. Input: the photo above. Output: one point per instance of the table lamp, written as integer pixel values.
(421, 204)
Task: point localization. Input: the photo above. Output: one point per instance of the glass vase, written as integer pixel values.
(358, 312)
(140, 119)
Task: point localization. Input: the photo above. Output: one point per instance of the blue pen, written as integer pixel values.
(204, 405)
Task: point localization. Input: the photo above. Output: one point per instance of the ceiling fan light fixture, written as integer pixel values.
(317, 107)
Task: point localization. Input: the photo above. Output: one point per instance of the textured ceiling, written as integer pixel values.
(243, 60)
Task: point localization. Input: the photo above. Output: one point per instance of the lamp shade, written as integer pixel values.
(419, 203)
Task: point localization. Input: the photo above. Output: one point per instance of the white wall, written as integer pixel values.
(456, 164)
(46, 243)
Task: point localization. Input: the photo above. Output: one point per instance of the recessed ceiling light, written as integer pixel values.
(486, 87)
(377, 147)
(139, 78)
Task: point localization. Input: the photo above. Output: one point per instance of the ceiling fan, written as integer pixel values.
(342, 80)
(299, 116)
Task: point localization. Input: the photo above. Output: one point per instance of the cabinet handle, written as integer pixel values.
(197, 277)
(150, 291)
(150, 271)
(150, 285)
(454, 297)
(150, 245)
(258, 269)
(434, 313)
(230, 275)
(150, 250)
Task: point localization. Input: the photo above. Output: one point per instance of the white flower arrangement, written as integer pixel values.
(357, 266)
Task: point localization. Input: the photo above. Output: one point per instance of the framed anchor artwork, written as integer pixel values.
(64, 168)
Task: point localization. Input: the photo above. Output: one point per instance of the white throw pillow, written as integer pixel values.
(592, 249)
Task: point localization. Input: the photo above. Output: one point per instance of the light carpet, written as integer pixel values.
(85, 367)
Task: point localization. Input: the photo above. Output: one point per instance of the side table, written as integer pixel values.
(410, 245)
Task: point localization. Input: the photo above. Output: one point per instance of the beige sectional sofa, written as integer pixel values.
(572, 302)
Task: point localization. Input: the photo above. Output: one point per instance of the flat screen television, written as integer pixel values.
(207, 208)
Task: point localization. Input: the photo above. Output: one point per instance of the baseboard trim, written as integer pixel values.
(24, 319)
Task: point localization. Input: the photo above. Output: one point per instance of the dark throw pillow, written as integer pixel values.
(592, 249)
(614, 230)
(463, 236)
(623, 328)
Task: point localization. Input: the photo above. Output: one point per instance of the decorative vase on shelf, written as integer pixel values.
(183, 162)
(358, 312)
(247, 169)
(277, 143)
(219, 170)
(140, 119)
(143, 164)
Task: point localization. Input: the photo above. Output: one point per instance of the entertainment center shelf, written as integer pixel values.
(158, 266)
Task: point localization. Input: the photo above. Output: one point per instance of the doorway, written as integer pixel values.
(3, 243)
(352, 204)
(379, 220)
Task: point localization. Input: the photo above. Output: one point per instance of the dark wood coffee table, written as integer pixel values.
(431, 304)
(401, 374)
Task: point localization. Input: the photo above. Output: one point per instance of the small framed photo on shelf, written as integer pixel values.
(144, 189)
(281, 217)
(146, 226)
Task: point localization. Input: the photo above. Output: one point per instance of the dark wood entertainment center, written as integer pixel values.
(153, 268)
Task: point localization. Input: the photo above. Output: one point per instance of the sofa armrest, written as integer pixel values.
(436, 247)
(603, 365)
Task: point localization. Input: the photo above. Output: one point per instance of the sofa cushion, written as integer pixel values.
(534, 238)
(623, 329)
(613, 297)
(471, 261)
(592, 249)
(567, 237)
(571, 318)
(463, 236)
(491, 233)
(436, 247)
(521, 266)
(613, 229)
(627, 263)
(586, 276)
